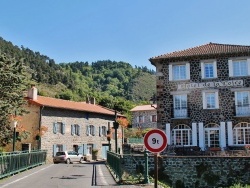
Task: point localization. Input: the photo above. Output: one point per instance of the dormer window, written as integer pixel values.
(208, 69)
(179, 71)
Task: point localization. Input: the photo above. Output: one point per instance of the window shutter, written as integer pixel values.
(93, 130)
(216, 100)
(100, 131)
(204, 100)
(54, 149)
(55, 128)
(248, 66)
(215, 69)
(80, 149)
(202, 70)
(63, 128)
(72, 130)
(87, 130)
(188, 71)
(137, 119)
(142, 119)
(84, 149)
(79, 130)
(230, 67)
(170, 72)
(94, 146)
(151, 118)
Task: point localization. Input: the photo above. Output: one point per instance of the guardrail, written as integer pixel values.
(14, 162)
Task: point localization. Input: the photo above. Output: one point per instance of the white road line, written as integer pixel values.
(25, 176)
(101, 176)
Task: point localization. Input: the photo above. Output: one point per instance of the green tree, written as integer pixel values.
(12, 86)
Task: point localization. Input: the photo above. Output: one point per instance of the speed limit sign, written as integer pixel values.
(155, 141)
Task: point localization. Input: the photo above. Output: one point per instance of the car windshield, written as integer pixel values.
(60, 153)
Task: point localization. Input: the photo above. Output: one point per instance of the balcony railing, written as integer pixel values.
(243, 110)
(180, 113)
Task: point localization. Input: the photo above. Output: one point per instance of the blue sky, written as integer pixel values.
(122, 30)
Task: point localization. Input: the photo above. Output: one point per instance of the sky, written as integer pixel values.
(131, 31)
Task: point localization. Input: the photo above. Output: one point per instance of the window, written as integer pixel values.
(90, 130)
(239, 67)
(179, 72)
(210, 100)
(102, 131)
(182, 135)
(209, 69)
(140, 119)
(242, 103)
(212, 135)
(153, 118)
(75, 129)
(241, 134)
(89, 149)
(59, 127)
(180, 106)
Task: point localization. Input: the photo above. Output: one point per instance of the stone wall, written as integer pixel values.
(193, 172)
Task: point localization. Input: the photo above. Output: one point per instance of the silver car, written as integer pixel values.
(67, 157)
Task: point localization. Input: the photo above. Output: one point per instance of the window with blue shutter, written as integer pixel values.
(55, 128)
(84, 149)
(54, 149)
(78, 130)
(100, 131)
(63, 128)
(72, 129)
(80, 149)
(87, 130)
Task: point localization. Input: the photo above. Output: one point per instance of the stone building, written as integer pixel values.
(144, 116)
(203, 95)
(57, 124)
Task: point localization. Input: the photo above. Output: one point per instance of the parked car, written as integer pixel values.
(67, 157)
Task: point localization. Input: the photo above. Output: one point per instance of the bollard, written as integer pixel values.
(146, 176)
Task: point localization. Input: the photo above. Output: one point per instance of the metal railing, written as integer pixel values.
(180, 112)
(135, 140)
(114, 162)
(14, 162)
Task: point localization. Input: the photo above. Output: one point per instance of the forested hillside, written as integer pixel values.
(115, 85)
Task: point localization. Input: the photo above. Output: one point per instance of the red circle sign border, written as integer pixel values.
(160, 149)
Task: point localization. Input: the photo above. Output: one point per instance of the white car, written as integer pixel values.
(67, 157)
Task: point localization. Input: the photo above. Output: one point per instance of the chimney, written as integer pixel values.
(93, 100)
(32, 93)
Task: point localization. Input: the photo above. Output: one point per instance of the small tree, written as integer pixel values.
(12, 86)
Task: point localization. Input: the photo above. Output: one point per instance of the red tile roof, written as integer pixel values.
(71, 105)
(143, 108)
(206, 49)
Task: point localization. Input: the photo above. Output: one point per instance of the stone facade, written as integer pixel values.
(181, 112)
(193, 172)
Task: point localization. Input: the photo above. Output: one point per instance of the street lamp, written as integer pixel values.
(14, 134)
(109, 136)
(115, 126)
(153, 101)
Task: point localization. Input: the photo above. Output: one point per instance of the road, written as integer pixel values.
(62, 176)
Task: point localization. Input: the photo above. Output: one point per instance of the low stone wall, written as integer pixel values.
(193, 172)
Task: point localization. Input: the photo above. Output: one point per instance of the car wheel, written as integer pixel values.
(68, 161)
(81, 160)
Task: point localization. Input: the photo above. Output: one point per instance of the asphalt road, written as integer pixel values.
(62, 176)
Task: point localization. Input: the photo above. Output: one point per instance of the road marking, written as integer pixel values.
(101, 176)
(25, 176)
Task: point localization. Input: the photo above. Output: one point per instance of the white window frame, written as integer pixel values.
(182, 111)
(243, 109)
(231, 69)
(75, 129)
(181, 135)
(241, 133)
(142, 119)
(203, 72)
(171, 74)
(204, 98)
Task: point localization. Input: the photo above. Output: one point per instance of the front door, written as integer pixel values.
(105, 148)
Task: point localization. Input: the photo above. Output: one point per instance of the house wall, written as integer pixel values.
(197, 116)
(147, 122)
(30, 123)
(50, 116)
